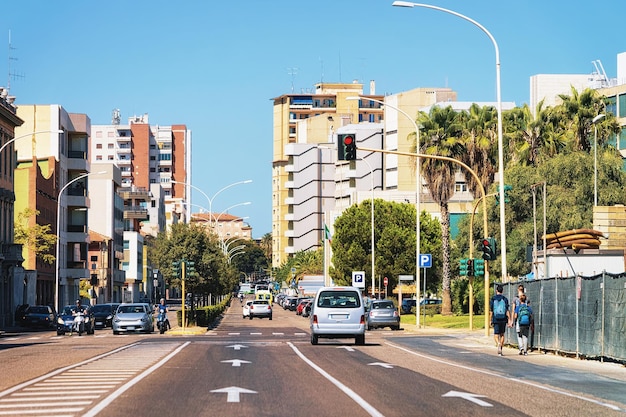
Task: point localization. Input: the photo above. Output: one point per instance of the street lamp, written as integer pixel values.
(418, 182)
(27, 135)
(595, 122)
(58, 234)
(372, 246)
(210, 199)
(500, 140)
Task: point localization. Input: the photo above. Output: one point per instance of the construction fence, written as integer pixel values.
(582, 316)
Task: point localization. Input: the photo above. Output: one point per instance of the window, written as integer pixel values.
(111, 146)
(460, 187)
(110, 158)
(98, 157)
(94, 258)
(165, 157)
(98, 146)
(99, 134)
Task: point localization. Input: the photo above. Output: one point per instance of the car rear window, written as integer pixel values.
(383, 305)
(339, 299)
(261, 302)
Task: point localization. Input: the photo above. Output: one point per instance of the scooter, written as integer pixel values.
(79, 323)
(163, 324)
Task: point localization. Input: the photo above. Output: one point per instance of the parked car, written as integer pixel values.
(133, 317)
(382, 313)
(407, 305)
(430, 301)
(246, 309)
(39, 316)
(260, 308)
(103, 314)
(301, 304)
(306, 310)
(65, 320)
(290, 303)
(338, 312)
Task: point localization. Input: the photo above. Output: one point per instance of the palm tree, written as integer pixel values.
(577, 112)
(527, 132)
(480, 138)
(441, 135)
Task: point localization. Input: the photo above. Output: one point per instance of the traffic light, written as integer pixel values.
(346, 147)
(479, 267)
(470, 267)
(488, 247)
(176, 268)
(463, 267)
(507, 188)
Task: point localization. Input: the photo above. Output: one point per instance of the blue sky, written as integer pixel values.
(215, 66)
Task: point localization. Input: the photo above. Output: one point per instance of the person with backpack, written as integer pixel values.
(499, 316)
(523, 317)
(516, 302)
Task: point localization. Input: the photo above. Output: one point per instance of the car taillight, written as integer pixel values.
(269, 307)
(362, 319)
(251, 306)
(314, 318)
(395, 313)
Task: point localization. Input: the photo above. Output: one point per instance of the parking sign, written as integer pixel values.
(426, 260)
(358, 279)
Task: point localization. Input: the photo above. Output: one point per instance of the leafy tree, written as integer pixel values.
(266, 246)
(394, 242)
(251, 258)
(36, 238)
(192, 243)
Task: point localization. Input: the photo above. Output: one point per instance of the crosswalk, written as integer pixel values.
(72, 390)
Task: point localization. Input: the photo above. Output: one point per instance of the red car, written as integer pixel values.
(301, 305)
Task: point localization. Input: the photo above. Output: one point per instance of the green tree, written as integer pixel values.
(251, 259)
(37, 237)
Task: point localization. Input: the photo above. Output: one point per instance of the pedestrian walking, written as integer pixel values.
(516, 302)
(500, 316)
(523, 317)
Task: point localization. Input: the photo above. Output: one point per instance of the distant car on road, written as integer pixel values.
(246, 309)
(407, 305)
(382, 313)
(260, 308)
(65, 321)
(39, 316)
(103, 314)
(133, 317)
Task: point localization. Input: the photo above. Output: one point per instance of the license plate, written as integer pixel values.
(339, 316)
(130, 328)
(99, 323)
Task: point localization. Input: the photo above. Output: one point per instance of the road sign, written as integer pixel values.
(405, 277)
(426, 260)
(358, 279)
(386, 281)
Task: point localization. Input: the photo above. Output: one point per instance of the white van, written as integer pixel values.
(337, 313)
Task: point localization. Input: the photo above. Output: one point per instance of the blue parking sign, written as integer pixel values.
(358, 279)
(426, 260)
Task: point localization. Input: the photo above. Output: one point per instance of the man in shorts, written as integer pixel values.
(499, 316)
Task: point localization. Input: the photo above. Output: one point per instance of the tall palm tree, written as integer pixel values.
(577, 112)
(526, 133)
(480, 138)
(441, 135)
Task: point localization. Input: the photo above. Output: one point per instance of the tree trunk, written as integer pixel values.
(446, 307)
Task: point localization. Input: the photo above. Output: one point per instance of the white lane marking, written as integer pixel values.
(521, 381)
(355, 397)
(469, 397)
(381, 364)
(348, 348)
(237, 347)
(108, 400)
(236, 362)
(233, 393)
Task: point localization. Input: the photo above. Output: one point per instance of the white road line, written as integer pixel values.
(521, 381)
(355, 397)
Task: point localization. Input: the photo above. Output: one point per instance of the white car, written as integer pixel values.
(246, 308)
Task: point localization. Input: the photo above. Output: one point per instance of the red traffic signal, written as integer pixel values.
(346, 147)
(348, 140)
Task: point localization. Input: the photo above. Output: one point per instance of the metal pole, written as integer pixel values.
(372, 225)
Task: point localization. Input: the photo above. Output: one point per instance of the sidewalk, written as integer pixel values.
(176, 330)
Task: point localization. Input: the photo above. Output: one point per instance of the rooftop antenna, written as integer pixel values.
(292, 71)
(116, 117)
(11, 75)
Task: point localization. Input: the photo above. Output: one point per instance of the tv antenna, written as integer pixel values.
(292, 71)
(11, 75)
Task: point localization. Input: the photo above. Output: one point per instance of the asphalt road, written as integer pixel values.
(269, 368)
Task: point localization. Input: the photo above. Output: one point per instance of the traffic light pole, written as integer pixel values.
(484, 205)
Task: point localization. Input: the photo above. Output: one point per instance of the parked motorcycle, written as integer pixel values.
(163, 324)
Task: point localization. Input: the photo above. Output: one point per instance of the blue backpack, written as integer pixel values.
(523, 315)
(499, 308)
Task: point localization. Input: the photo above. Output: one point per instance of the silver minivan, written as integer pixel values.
(337, 313)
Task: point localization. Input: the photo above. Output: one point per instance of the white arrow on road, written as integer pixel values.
(236, 362)
(469, 397)
(348, 348)
(384, 365)
(233, 393)
(237, 347)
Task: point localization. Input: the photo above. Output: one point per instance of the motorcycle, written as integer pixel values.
(163, 324)
(79, 323)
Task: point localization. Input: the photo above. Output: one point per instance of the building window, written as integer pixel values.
(98, 146)
(99, 133)
(110, 158)
(165, 157)
(110, 134)
(98, 157)
(460, 187)
(622, 105)
(110, 146)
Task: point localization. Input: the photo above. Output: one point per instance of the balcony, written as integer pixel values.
(135, 193)
(135, 213)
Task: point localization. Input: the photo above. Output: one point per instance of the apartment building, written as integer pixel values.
(14, 286)
(52, 176)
